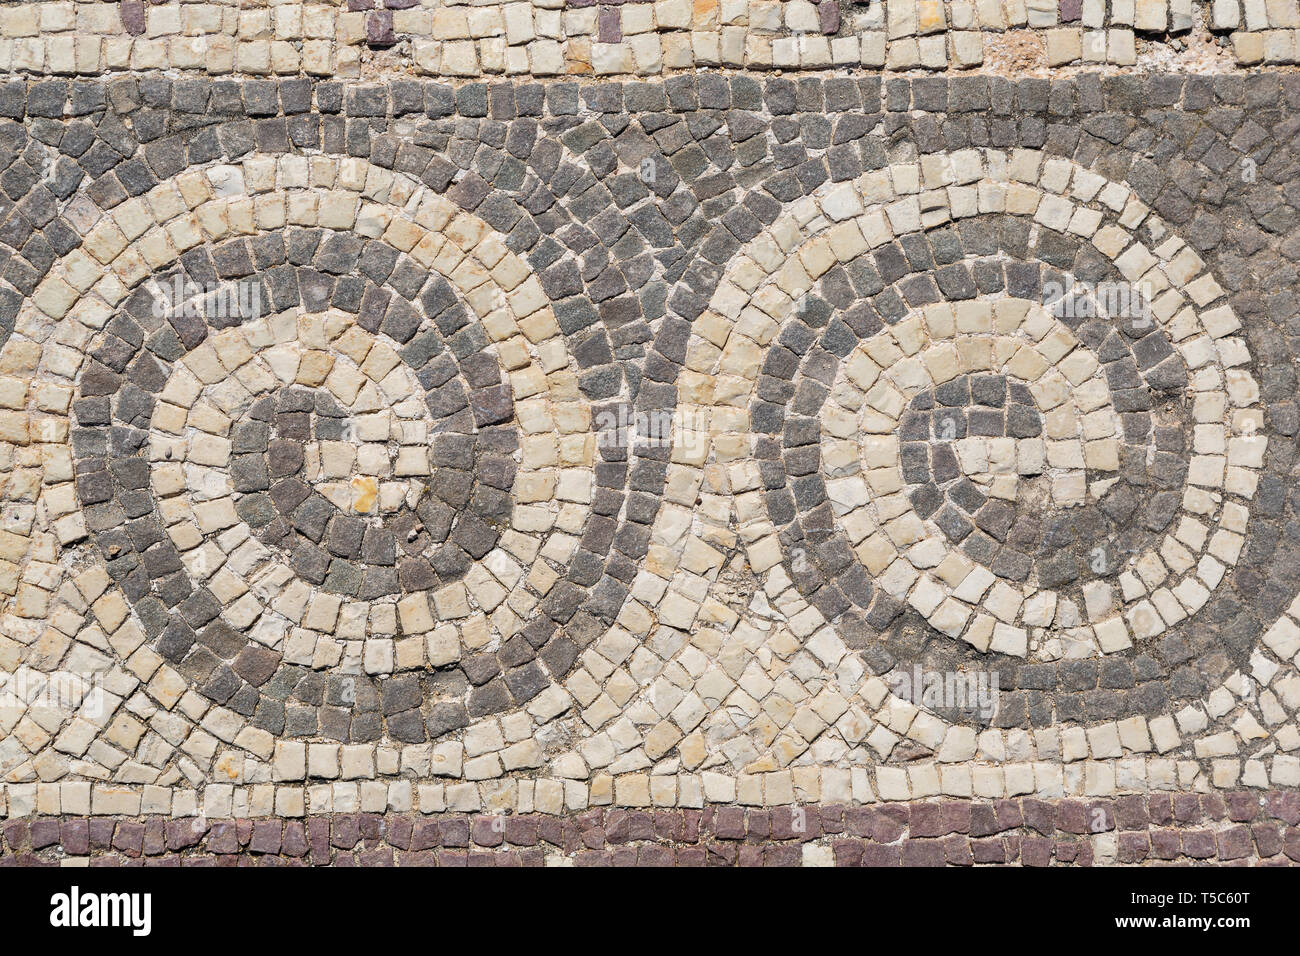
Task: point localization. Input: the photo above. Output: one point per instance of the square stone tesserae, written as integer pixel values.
(653, 433)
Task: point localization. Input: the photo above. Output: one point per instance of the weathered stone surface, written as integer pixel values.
(407, 449)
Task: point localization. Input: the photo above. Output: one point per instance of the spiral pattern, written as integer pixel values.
(964, 443)
(365, 478)
(383, 477)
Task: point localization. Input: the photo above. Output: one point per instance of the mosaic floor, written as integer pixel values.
(827, 467)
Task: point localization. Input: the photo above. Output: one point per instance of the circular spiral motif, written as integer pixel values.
(965, 437)
(1001, 417)
(365, 505)
(352, 514)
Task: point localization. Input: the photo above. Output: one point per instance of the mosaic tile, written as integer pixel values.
(693, 452)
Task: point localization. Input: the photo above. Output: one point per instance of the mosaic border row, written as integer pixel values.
(1240, 829)
(555, 38)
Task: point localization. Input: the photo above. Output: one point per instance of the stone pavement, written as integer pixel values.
(1134, 829)
(632, 37)
(733, 466)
